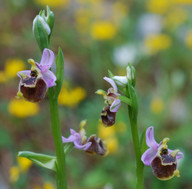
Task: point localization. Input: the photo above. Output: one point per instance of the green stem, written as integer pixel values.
(56, 130)
(136, 143)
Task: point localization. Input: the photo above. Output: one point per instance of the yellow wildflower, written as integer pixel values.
(12, 66)
(120, 127)
(103, 30)
(105, 132)
(119, 11)
(24, 164)
(112, 144)
(2, 77)
(158, 6)
(155, 43)
(156, 105)
(48, 185)
(175, 17)
(82, 18)
(53, 3)
(21, 108)
(71, 97)
(188, 39)
(108, 135)
(14, 174)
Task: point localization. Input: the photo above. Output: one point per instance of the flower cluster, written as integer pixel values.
(162, 160)
(92, 145)
(35, 82)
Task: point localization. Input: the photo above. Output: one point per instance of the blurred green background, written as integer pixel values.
(96, 35)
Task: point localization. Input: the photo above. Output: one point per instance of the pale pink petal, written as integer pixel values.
(82, 147)
(49, 78)
(148, 156)
(115, 105)
(47, 60)
(150, 138)
(109, 80)
(71, 138)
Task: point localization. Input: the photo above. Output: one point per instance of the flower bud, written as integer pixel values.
(50, 18)
(42, 28)
(131, 74)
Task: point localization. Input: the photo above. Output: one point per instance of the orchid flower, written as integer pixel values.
(162, 160)
(35, 82)
(113, 102)
(92, 145)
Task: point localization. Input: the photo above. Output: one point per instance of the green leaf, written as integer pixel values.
(68, 147)
(125, 100)
(43, 160)
(111, 75)
(60, 71)
(143, 145)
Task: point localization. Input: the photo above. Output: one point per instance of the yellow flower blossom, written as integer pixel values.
(105, 132)
(103, 30)
(156, 105)
(24, 164)
(71, 97)
(119, 11)
(2, 77)
(158, 6)
(120, 127)
(112, 144)
(12, 66)
(13, 174)
(48, 185)
(175, 17)
(188, 39)
(53, 3)
(155, 43)
(21, 108)
(108, 135)
(83, 18)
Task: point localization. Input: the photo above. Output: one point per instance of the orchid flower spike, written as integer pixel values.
(92, 145)
(112, 101)
(35, 82)
(162, 160)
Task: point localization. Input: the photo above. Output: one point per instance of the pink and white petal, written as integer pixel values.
(24, 72)
(148, 156)
(109, 80)
(49, 78)
(115, 105)
(179, 154)
(150, 138)
(47, 60)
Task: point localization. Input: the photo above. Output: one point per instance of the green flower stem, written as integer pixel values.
(133, 111)
(136, 143)
(56, 130)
